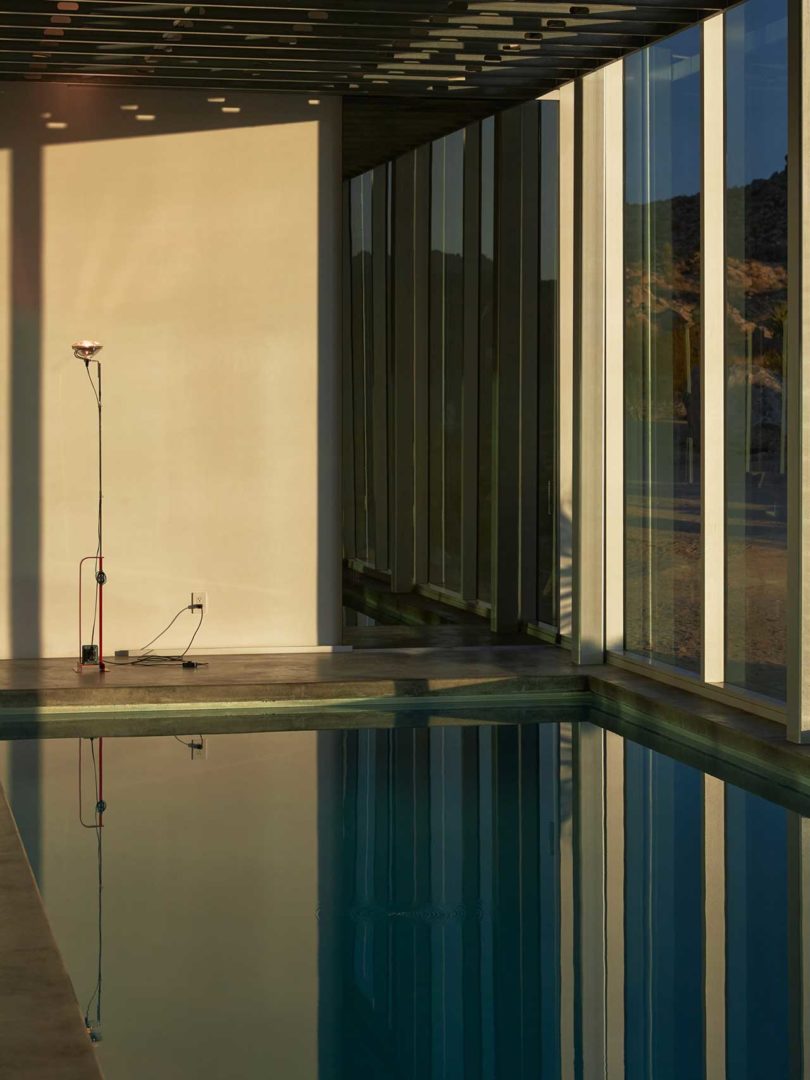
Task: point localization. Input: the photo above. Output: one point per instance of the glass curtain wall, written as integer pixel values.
(455, 204)
(446, 360)
(756, 310)
(662, 319)
(662, 376)
(537, 159)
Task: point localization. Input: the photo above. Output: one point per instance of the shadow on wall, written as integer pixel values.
(35, 117)
(24, 542)
(330, 597)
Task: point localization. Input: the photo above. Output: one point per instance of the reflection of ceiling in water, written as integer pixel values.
(409, 70)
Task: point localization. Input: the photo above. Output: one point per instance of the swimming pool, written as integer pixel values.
(493, 900)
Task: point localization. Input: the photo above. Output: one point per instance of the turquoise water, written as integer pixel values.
(492, 901)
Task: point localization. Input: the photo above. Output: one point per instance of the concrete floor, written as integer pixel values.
(410, 668)
(452, 681)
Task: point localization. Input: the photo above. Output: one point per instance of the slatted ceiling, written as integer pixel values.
(399, 124)
(408, 70)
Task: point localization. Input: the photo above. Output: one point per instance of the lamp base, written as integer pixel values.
(91, 657)
(84, 669)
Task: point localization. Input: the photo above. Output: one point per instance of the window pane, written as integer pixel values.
(362, 344)
(389, 344)
(662, 351)
(547, 366)
(446, 359)
(347, 381)
(756, 309)
(435, 370)
(486, 369)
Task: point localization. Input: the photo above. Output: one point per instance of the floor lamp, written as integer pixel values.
(92, 656)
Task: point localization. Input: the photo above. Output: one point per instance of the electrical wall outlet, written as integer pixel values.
(199, 602)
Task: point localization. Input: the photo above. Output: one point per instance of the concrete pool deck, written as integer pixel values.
(461, 677)
(42, 1034)
(299, 677)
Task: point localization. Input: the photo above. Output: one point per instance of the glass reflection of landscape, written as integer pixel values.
(663, 438)
(662, 346)
(756, 312)
(479, 901)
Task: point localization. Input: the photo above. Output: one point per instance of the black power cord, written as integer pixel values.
(190, 745)
(157, 659)
(186, 607)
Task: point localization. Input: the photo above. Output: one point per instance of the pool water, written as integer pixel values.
(494, 901)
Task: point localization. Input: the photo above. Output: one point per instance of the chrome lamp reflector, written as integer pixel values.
(86, 350)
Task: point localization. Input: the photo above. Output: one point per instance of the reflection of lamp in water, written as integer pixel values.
(89, 655)
(93, 1027)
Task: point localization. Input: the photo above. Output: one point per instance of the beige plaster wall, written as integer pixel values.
(201, 248)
